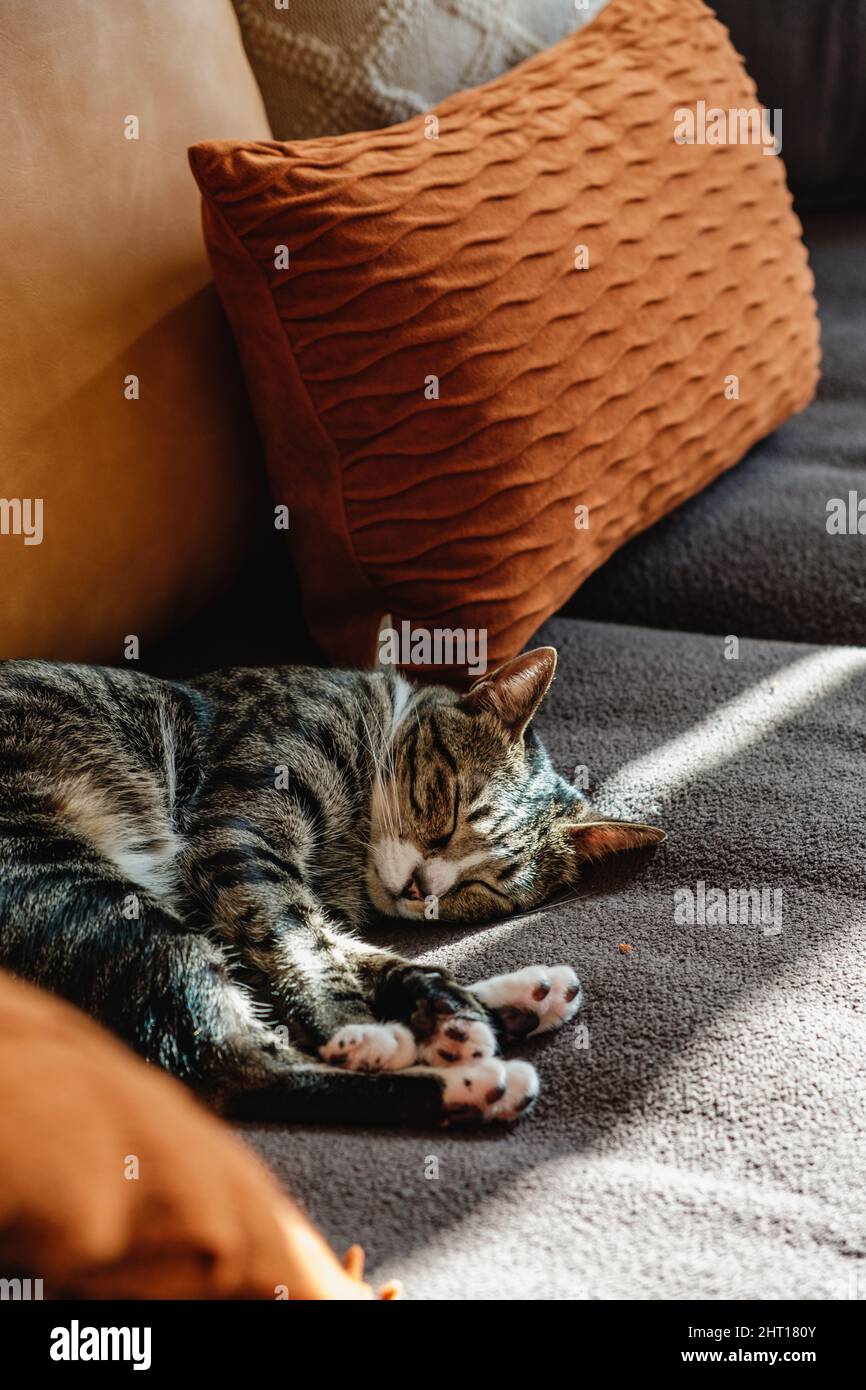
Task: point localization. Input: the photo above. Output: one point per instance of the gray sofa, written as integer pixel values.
(701, 1133)
(752, 555)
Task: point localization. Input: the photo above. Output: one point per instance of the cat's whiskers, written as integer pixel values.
(379, 784)
(393, 799)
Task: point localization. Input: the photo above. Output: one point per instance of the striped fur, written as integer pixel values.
(191, 864)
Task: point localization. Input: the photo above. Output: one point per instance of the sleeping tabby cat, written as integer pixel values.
(189, 863)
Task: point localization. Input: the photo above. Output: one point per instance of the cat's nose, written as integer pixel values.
(415, 888)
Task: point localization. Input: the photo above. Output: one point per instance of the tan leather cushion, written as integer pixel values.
(146, 503)
(117, 1184)
(440, 388)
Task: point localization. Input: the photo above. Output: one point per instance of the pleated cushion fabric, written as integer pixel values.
(444, 379)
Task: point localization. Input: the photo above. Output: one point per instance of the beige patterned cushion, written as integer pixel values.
(330, 66)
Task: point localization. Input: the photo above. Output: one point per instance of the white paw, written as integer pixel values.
(489, 1090)
(521, 1091)
(370, 1047)
(457, 1040)
(535, 1000)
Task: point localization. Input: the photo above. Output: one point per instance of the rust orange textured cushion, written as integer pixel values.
(117, 1184)
(608, 387)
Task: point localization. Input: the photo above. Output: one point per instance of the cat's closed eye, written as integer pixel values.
(477, 883)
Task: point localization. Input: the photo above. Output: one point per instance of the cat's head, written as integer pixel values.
(469, 818)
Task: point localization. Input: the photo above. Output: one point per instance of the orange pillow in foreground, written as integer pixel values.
(489, 345)
(202, 1219)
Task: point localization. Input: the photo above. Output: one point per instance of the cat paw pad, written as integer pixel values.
(488, 1091)
(457, 1040)
(370, 1047)
(534, 1000)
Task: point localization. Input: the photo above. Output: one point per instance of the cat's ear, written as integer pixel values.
(593, 839)
(514, 691)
